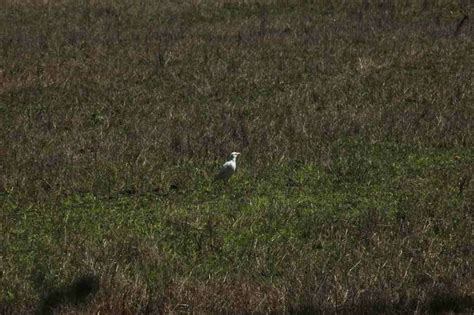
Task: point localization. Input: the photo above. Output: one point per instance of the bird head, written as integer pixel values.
(234, 155)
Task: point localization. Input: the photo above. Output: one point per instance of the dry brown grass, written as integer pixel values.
(114, 114)
(97, 87)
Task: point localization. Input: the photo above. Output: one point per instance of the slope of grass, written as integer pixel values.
(353, 192)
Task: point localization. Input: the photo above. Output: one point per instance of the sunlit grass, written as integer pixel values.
(353, 192)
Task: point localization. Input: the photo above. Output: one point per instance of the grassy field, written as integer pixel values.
(353, 193)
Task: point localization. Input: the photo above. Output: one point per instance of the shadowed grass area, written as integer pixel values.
(74, 294)
(353, 193)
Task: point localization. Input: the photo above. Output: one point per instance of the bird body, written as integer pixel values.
(228, 168)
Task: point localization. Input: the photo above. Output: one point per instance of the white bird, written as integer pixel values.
(228, 168)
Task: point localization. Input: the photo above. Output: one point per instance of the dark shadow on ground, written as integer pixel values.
(442, 303)
(74, 294)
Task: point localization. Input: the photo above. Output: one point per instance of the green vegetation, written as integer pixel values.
(353, 193)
